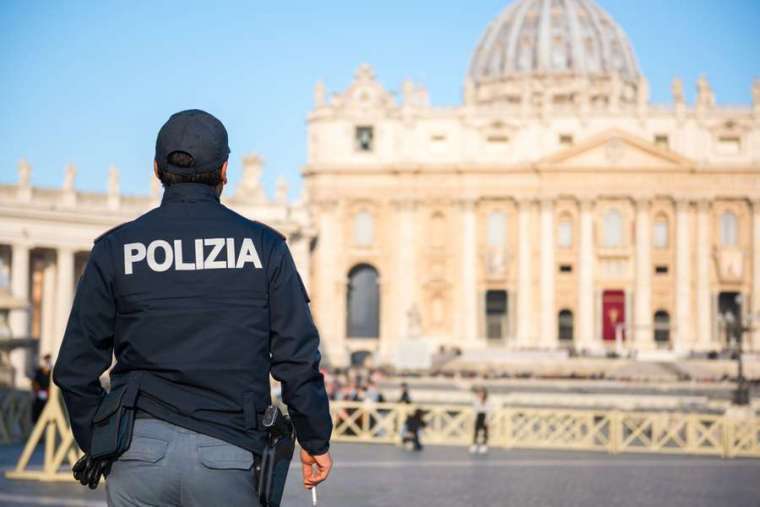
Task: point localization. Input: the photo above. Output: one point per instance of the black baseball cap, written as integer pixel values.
(197, 133)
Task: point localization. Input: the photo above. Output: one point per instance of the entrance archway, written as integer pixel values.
(363, 303)
(729, 316)
(613, 313)
(565, 323)
(661, 327)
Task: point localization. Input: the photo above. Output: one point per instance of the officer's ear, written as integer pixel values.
(224, 172)
(155, 169)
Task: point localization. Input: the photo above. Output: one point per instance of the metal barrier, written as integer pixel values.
(60, 451)
(15, 415)
(559, 429)
(509, 427)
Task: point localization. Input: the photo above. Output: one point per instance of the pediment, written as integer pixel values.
(615, 149)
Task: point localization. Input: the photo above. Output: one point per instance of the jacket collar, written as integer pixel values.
(189, 192)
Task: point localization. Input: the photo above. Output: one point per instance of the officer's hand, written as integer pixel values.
(315, 468)
(88, 470)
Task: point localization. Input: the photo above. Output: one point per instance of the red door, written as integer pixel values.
(613, 313)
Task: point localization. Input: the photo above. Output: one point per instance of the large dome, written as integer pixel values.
(553, 37)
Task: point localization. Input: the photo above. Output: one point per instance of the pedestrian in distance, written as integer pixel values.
(41, 387)
(482, 408)
(413, 424)
(198, 305)
(405, 397)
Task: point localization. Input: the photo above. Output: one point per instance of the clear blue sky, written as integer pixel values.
(91, 82)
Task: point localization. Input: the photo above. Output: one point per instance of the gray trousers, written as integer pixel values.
(167, 465)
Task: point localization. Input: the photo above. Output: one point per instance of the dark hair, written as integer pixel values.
(184, 159)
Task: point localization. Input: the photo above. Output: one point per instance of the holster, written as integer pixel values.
(274, 463)
(114, 420)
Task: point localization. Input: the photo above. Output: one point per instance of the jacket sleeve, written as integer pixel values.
(87, 346)
(294, 342)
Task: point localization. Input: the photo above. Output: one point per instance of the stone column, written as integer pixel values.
(469, 272)
(405, 267)
(331, 327)
(64, 292)
(642, 312)
(755, 298)
(524, 274)
(585, 336)
(19, 319)
(704, 302)
(549, 333)
(684, 335)
(48, 324)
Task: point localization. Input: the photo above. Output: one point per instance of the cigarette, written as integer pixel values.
(314, 496)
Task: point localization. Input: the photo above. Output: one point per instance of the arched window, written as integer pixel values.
(661, 326)
(565, 231)
(363, 303)
(613, 229)
(728, 229)
(565, 322)
(497, 229)
(660, 232)
(364, 228)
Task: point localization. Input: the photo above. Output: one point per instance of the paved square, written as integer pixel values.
(382, 475)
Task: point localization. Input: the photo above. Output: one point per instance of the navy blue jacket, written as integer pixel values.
(205, 303)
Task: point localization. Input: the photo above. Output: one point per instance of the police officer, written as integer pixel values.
(200, 304)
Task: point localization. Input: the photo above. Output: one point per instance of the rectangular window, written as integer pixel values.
(661, 269)
(565, 268)
(662, 141)
(364, 137)
(497, 229)
(565, 234)
(498, 139)
(660, 234)
(496, 314)
(565, 140)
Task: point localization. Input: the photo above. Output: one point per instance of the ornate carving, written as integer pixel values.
(413, 322)
(24, 174)
(69, 178)
(113, 181)
(614, 150)
(281, 190)
(677, 90)
(320, 94)
(705, 95)
(364, 93)
(496, 261)
(250, 187)
(730, 264)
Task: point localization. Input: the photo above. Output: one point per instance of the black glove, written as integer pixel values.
(87, 470)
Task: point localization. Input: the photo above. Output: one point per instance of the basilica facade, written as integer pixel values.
(555, 209)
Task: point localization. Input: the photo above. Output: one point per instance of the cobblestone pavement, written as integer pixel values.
(381, 475)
